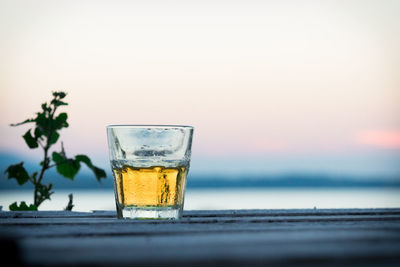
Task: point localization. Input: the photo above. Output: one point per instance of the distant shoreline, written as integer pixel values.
(301, 181)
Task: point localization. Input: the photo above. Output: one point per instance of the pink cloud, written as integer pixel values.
(380, 138)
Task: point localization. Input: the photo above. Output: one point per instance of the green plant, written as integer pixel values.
(44, 134)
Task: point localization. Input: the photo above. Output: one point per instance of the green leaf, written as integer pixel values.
(38, 133)
(85, 159)
(14, 206)
(58, 158)
(60, 94)
(69, 168)
(99, 173)
(54, 138)
(42, 121)
(18, 172)
(66, 167)
(58, 103)
(61, 121)
(30, 140)
(45, 191)
(45, 107)
(62, 117)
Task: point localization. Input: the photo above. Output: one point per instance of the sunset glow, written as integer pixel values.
(384, 139)
(256, 79)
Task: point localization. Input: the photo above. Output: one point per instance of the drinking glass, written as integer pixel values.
(150, 164)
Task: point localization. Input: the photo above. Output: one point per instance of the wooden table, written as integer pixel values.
(361, 237)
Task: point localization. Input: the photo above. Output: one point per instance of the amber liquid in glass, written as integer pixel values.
(149, 186)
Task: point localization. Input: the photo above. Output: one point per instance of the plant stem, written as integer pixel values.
(45, 165)
(38, 199)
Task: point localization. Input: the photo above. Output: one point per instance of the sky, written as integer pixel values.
(270, 86)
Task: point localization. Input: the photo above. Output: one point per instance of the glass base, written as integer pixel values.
(149, 213)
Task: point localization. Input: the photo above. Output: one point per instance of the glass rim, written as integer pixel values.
(148, 126)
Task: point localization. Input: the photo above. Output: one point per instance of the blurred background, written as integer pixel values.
(295, 104)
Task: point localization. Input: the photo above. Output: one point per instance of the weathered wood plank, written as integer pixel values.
(208, 213)
(103, 226)
(240, 247)
(244, 237)
(198, 220)
(163, 230)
